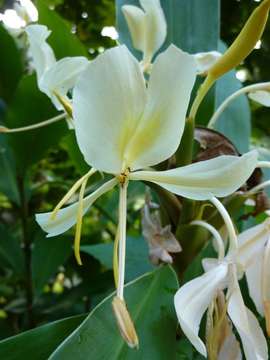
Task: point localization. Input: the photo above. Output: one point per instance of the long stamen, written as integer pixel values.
(68, 195)
(6, 130)
(65, 103)
(263, 164)
(244, 90)
(122, 238)
(79, 223)
(228, 222)
(216, 235)
(115, 258)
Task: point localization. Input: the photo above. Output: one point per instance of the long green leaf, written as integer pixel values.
(150, 302)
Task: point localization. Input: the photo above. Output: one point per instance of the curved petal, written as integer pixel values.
(135, 19)
(252, 337)
(155, 27)
(205, 60)
(254, 281)
(108, 101)
(262, 97)
(192, 300)
(217, 177)
(67, 217)
(159, 131)
(41, 52)
(61, 77)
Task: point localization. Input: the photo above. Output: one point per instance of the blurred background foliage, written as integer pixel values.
(39, 279)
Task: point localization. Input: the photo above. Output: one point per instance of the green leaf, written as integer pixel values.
(11, 255)
(150, 302)
(48, 255)
(10, 65)
(38, 344)
(235, 122)
(8, 183)
(137, 262)
(30, 106)
(186, 25)
(61, 39)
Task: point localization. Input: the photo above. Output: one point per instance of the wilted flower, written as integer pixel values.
(161, 240)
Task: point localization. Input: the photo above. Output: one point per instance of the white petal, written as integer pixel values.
(230, 349)
(135, 19)
(41, 53)
(201, 181)
(67, 217)
(252, 337)
(192, 300)
(108, 101)
(159, 132)
(262, 97)
(155, 27)
(30, 10)
(251, 243)
(61, 77)
(205, 60)
(254, 281)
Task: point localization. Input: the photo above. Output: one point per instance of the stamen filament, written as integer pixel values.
(258, 188)
(4, 129)
(79, 223)
(122, 238)
(216, 236)
(73, 189)
(244, 90)
(263, 164)
(115, 258)
(228, 222)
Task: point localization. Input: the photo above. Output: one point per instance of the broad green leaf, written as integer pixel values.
(48, 255)
(30, 106)
(150, 302)
(10, 65)
(186, 24)
(61, 39)
(235, 122)
(137, 262)
(39, 343)
(11, 255)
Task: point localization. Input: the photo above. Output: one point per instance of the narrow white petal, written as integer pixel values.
(206, 60)
(252, 337)
(160, 129)
(135, 19)
(67, 217)
(40, 51)
(262, 97)
(192, 300)
(254, 281)
(108, 101)
(217, 177)
(61, 77)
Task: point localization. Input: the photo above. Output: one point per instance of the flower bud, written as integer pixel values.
(124, 322)
(244, 43)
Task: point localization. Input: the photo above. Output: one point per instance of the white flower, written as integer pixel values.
(123, 126)
(148, 27)
(55, 78)
(193, 299)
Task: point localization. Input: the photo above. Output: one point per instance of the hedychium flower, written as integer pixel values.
(123, 126)
(193, 298)
(148, 28)
(258, 92)
(55, 78)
